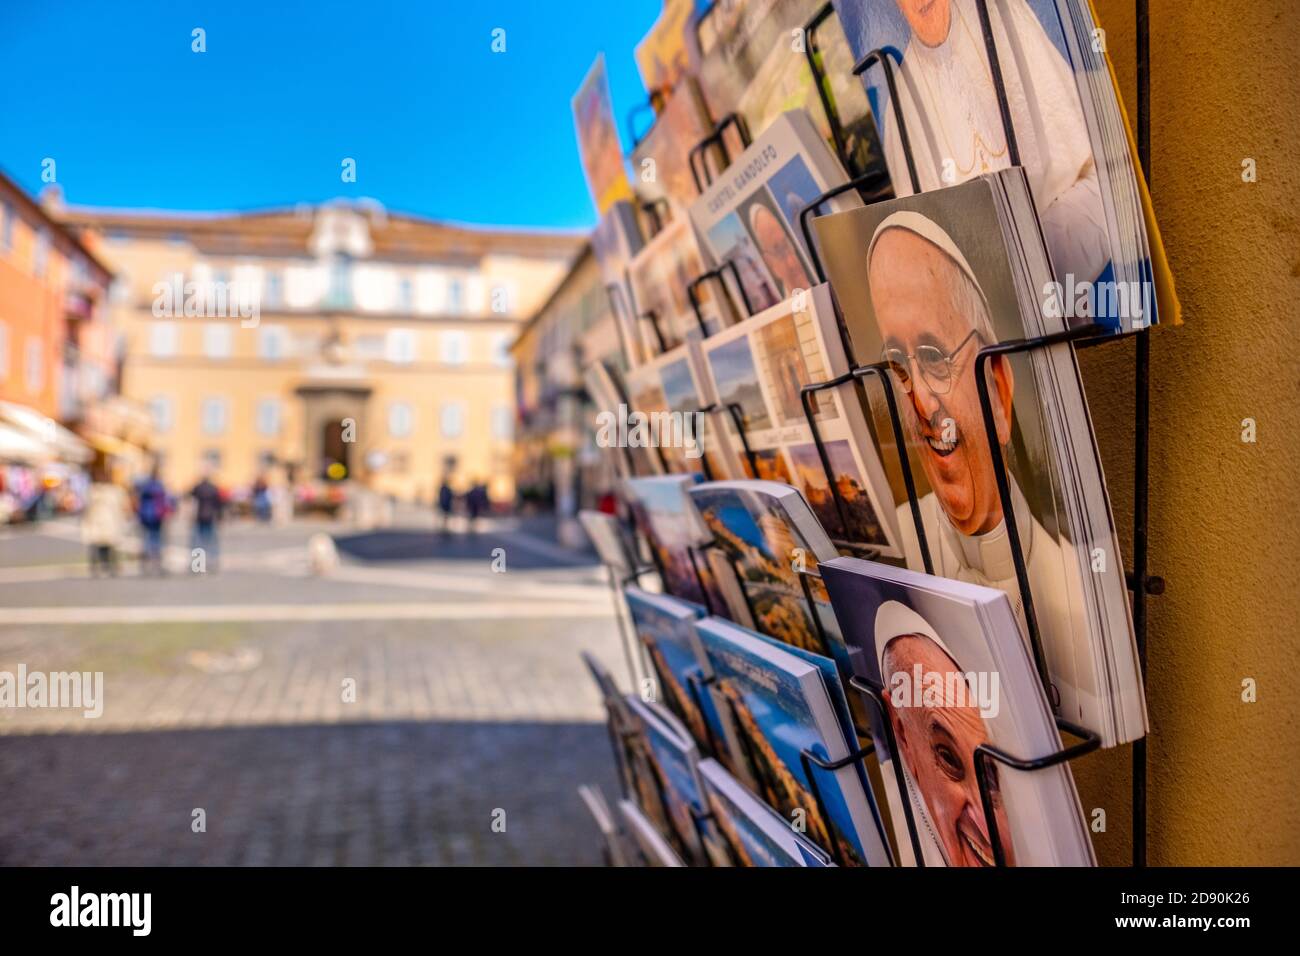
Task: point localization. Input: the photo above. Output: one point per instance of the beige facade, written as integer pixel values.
(337, 335)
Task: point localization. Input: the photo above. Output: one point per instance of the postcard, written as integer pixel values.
(665, 627)
(602, 154)
(749, 215)
(651, 849)
(611, 837)
(924, 282)
(661, 275)
(956, 676)
(672, 527)
(674, 757)
(782, 709)
(615, 242)
(662, 55)
(762, 365)
(1084, 189)
(754, 833)
(767, 531)
(610, 539)
(661, 161)
(738, 38)
(619, 720)
(672, 391)
(609, 399)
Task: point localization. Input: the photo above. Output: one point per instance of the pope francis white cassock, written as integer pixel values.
(955, 131)
(965, 527)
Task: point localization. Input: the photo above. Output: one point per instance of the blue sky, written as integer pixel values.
(437, 123)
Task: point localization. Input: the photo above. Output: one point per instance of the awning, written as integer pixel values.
(57, 441)
(17, 448)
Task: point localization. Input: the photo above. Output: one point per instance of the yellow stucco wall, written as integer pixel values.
(1224, 775)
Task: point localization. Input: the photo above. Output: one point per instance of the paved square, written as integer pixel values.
(384, 714)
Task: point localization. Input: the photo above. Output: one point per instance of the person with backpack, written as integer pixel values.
(207, 512)
(151, 510)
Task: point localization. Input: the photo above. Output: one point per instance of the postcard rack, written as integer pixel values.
(651, 208)
(1141, 584)
(717, 275)
(653, 103)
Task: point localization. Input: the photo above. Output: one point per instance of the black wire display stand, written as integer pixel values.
(716, 139)
(1140, 582)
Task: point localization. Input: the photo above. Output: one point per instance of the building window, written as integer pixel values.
(217, 339)
(452, 419)
(368, 347)
(501, 350)
(400, 345)
(455, 296)
(4, 351)
(212, 416)
(268, 417)
(503, 423)
(34, 365)
(340, 289)
(453, 347)
(6, 225)
(405, 295)
(162, 339)
(41, 256)
(400, 420)
(270, 342)
(274, 290)
(160, 409)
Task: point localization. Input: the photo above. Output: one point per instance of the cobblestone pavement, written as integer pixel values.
(225, 692)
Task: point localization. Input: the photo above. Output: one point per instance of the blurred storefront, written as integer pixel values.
(58, 356)
(557, 465)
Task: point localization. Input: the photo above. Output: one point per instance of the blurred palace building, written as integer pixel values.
(336, 341)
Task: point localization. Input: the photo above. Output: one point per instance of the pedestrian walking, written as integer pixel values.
(262, 499)
(476, 502)
(152, 508)
(103, 522)
(207, 512)
(446, 504)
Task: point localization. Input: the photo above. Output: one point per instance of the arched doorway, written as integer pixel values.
(335, 449)
(333, 416)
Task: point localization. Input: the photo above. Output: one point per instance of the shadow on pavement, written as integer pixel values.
(395, 793)
(410, 545)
